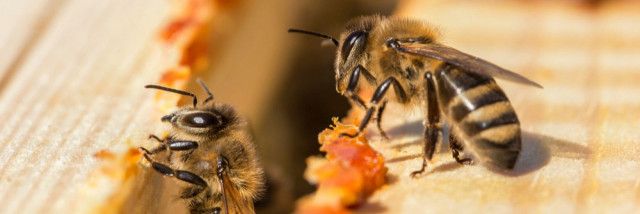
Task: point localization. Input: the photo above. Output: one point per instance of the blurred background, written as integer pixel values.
(72, 74)
(284, 83)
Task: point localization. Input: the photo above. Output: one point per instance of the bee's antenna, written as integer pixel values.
(195, 100)
(335, 42)
(206, 89)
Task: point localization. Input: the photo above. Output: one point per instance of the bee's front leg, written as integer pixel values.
(377, 97)
(179, 174)
(350, 92)
(169, 145)
(162, 147)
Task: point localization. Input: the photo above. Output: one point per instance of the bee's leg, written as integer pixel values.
(170, 146)
(179, 145)
(377, 97)
(431, 126)
(162, 147)
(179, 174)
(182, 145)
(379, 119)
(353, 83)
(456, 148)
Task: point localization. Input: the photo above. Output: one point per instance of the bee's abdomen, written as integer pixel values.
(480, 110)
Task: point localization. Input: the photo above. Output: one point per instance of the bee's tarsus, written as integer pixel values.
(145, 151)
(415, 174)
(379, 120)
(456, 148)
(162, 147)
(156, 138)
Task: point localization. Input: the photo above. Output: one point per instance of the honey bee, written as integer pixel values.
(210, 148)
(403, 55)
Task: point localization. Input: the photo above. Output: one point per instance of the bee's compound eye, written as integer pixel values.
(352, 40)
(200, 119)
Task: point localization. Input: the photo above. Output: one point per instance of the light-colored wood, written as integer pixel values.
(71, 84)
(72, 77)
(73, 87)
(581, 144)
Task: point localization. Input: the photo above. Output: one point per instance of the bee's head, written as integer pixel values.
(352, 50)
(209, 118)
(352, 47)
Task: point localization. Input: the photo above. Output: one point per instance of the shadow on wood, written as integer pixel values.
(536, 152)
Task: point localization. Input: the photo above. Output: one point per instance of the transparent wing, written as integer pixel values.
(233, 202)
(465, 61)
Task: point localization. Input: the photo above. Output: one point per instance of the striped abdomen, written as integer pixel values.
(480, 111)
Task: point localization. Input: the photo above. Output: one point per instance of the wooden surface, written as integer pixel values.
(72, 77)
(71, 84)
(581, 144)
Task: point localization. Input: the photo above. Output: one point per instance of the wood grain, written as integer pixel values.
(580, 141)
(71, 84)
(72, 77)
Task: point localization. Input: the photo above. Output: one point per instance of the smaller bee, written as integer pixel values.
(402, 59)
(210, 148)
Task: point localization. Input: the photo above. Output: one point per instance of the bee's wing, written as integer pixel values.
(465, 61)
(232, 198)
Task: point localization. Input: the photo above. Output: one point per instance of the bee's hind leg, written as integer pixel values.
(431, 125)
(456, 148)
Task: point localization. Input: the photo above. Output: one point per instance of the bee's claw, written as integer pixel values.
(144, 150)
(415, 174)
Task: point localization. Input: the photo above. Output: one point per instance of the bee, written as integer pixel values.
(404, 56)
(209, 147)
